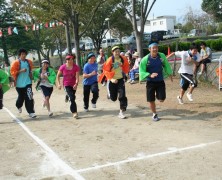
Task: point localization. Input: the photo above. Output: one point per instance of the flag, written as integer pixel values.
(40, 26)
(37, 27)
(46, 25)
(0, 33)
(15, 30)
(9, 31)
(33, 27)
(26, 28)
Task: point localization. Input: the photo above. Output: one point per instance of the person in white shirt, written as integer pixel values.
(188, 59)
(135, 68)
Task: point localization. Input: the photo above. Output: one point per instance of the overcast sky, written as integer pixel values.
(174, 7)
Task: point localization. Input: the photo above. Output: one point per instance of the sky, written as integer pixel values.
(174, 7)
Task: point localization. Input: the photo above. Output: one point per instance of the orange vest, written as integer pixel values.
(108, 71)
(15, 67)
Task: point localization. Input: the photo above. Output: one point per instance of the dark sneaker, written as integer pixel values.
(66, 98)
(155, 117)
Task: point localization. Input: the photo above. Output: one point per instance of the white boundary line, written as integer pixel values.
(132, 159)
(58, 162)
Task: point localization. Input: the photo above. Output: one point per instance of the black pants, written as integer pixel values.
(1, 98)
(86, 92)
(25, 94)
(118, 89)
(72, 97)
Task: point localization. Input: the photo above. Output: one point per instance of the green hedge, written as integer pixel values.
(214, 44)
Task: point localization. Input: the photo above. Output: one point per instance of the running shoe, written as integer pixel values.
(121, 115)
(155, 117)
(32, 115)
(190, 97)
(93, 105)
(66, 98)
(180, 100)
(20, 110)
(75, 115)
(50, 114)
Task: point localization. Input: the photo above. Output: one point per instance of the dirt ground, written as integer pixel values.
(185, 144)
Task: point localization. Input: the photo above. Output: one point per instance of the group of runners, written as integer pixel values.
(153, 68)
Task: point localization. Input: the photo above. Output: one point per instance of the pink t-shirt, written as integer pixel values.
(69, 76)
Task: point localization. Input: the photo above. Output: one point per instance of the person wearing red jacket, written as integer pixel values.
(115, 70)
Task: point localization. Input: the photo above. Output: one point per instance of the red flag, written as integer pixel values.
(26, 28)
(46, 25)
(33, 27)
(0, 33)
(9, 31)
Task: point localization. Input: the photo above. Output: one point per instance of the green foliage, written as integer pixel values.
(213, 7)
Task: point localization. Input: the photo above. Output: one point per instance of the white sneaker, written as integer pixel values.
(199, 73)
(20, 110)
(121, 116)
(50, 113)
(129, 80)
(132, 82)
(190, 97)
(75, 115)
(86, 110)
(93, 105)
(32, 115)
(180, 100)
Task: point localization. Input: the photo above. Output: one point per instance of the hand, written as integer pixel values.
(114, 81)
(23, 70)
(153, 75)
(93, 73)
(59, 86)
(42, 76)
(75, 86)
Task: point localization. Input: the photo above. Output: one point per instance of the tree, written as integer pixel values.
(213, 7)
(63, 10)
(138, 10)
(7, 18)
(118, 26)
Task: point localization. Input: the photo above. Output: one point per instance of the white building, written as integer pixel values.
(165, 23)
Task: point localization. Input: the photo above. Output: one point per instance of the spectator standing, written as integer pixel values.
(21, 70)
(188, 60)
(70, 72)
(46, 77)
(90, 82)
(155, 67)
(115, 69)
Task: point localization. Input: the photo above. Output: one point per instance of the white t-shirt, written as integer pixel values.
(186, 66)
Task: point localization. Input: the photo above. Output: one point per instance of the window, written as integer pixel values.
(161, 22)
(154, 23)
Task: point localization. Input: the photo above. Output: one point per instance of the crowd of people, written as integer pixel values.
(110, 71)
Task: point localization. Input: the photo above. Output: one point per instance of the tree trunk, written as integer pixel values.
(75, 22)
(68, 38)
(139, 43)
(4, 47)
